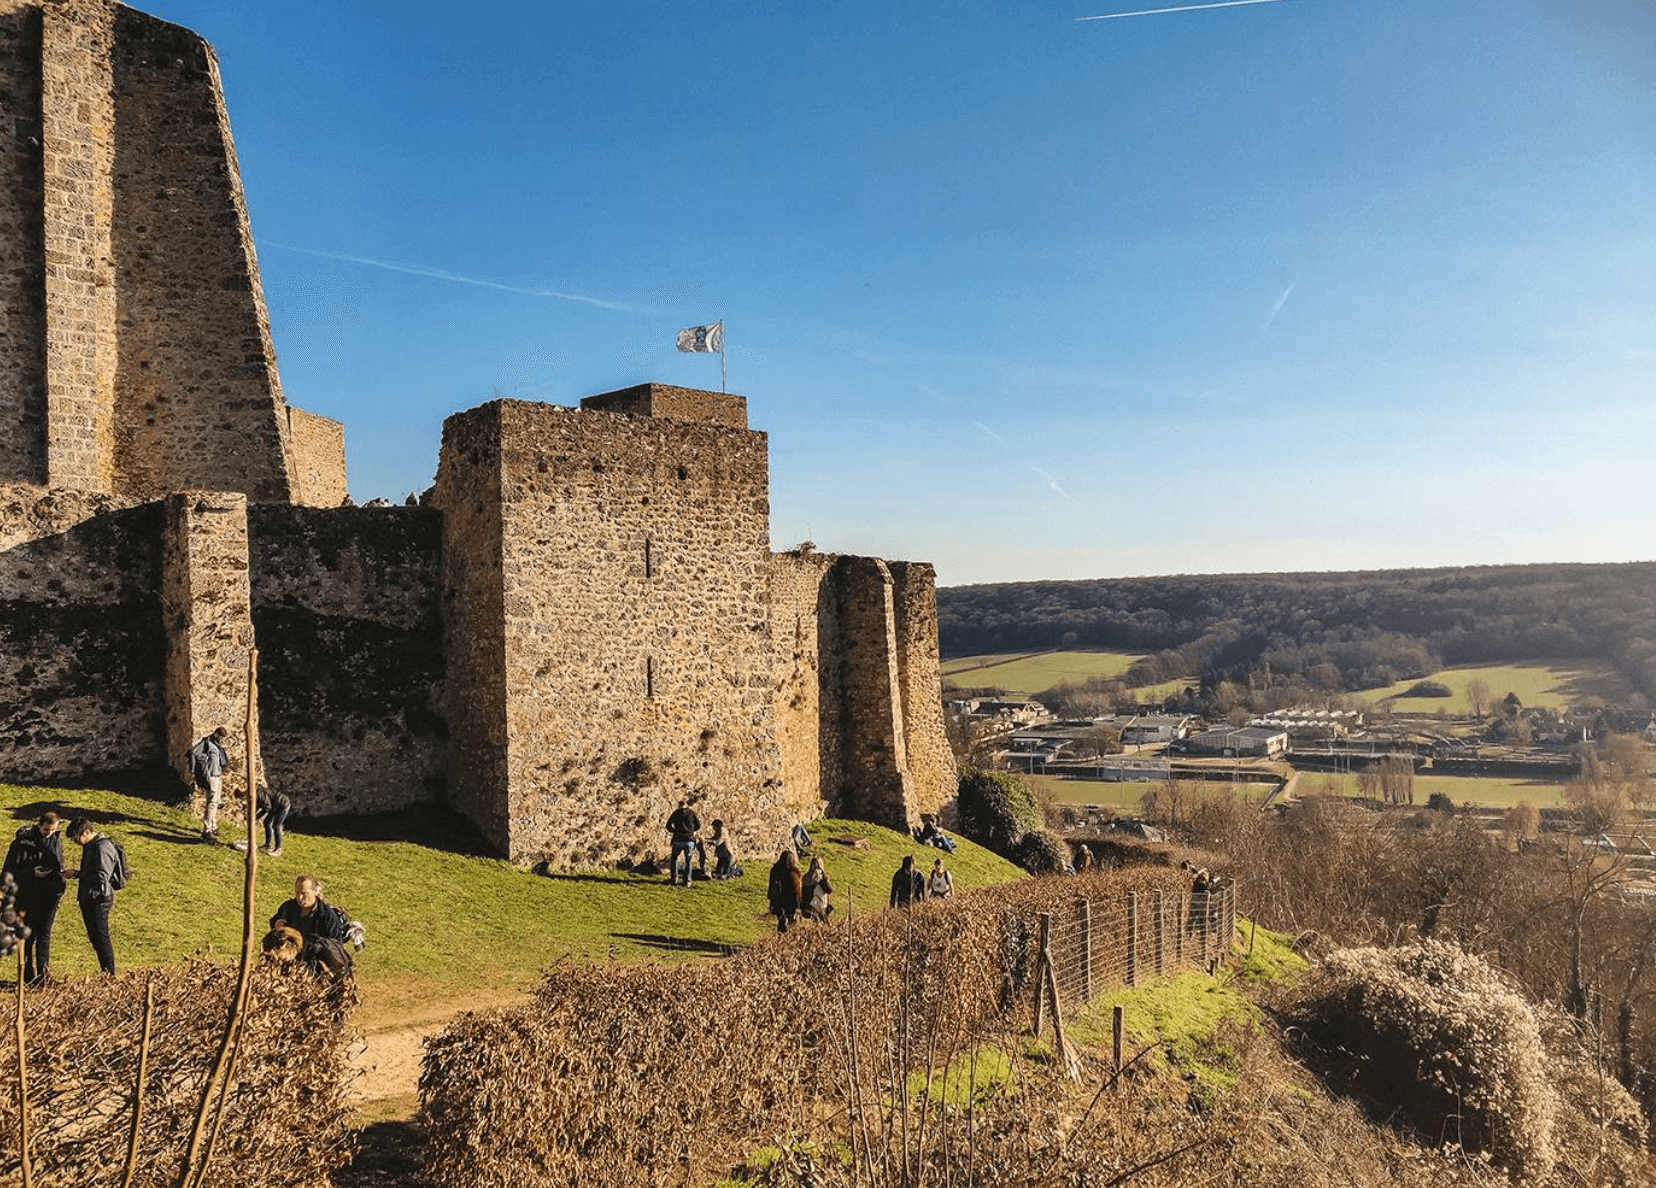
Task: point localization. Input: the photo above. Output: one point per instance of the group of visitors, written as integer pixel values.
(910, 885)
(684, 828)
(796, 895)
(35, 862)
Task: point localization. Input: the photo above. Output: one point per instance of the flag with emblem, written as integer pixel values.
(702, 339)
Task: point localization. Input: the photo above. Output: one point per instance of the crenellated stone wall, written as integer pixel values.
(635, 601)
(585, 624)
(81, 650)
(347, 615)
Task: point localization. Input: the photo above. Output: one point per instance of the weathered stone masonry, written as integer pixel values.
(582, 623)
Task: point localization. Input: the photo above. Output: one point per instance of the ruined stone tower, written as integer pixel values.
(133, 333)
(582, 623)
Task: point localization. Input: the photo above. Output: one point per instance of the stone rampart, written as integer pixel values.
(671, 403)
(467, 492)
(635, 599)
(347, 616)
(22, 251)
(200, 402)
(861, 730)
(81, 651)
(318, 447)
(206, 614)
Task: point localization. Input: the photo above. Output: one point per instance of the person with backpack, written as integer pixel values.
(103, 872)
(311, 916)
(208, 761)
(35, 863)
(273, 809)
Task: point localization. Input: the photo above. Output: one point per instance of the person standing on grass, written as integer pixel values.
(908, 885)
(785, 889)
(683, 825)
(208, 762)
(940, 885)
(35, 861)
(724, 859)
(101, 874)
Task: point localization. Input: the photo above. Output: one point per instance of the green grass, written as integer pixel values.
(1186, 1015)
(444, 928)
(1024, 675)
(1557, 684)
(1487, 792)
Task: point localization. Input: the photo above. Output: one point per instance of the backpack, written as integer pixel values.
(123, 871)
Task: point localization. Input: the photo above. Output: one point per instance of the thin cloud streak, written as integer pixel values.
(1113, 16)
(440, 274)
(988, 432)
(1051, 482)
(1280, 302)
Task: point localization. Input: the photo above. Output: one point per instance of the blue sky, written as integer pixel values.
(1299, 285)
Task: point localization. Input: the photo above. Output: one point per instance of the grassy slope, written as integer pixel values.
(1555, 684)
(444, 928)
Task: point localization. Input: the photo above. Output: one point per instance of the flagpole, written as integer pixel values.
(722, 387)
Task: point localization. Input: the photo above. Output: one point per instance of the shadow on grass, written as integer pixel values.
(429, 824)
(675, 944)
(66, 809)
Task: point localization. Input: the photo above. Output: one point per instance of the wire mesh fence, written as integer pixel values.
(1127, 940)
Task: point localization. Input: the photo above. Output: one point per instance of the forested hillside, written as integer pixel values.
(1336, 631)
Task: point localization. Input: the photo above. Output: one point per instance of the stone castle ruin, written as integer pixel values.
(581, 623)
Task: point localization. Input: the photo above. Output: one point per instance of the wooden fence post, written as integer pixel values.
(1161, 932)
(1181, 914)
(1115, 1028)
(1132, 938)
(1084, 911)
(1043, 958)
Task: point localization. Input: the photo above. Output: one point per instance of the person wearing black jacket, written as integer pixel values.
(308, 914)
(683, 824)
(100, 868)
(35, 861)
(908, 885)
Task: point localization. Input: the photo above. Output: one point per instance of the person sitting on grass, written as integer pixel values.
(816, 893)
(308, 914)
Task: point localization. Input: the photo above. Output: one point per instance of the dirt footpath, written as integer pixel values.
(388, 1057)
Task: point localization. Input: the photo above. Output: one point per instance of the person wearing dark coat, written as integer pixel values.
(35, 861)
(99, 871)
(908, 885)
(308, 914)
(785, 890)
(683, 825)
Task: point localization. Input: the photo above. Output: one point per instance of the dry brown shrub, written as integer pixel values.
(667, 1073)
(1445, 1039)
(286, 1114)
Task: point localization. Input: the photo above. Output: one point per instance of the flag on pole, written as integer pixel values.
(702, 339)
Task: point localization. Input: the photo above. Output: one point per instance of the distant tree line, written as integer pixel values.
(1328, 632)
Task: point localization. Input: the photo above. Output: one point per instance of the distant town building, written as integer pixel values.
(1267, 741)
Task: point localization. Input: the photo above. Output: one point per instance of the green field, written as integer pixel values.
(1483, 792)
(1126, 797)
(1556, 684)
(445, 930)
(1024, 675)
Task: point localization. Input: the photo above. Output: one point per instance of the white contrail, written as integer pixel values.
(1280, 302)
(439, 274)
(988, 432)
(1051, 482)
(1111, 16)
